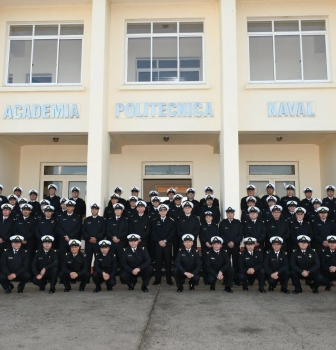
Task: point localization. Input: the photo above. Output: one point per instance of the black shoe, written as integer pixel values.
(228, 289)
(170, 283)
(73, 282)
(66, 290)
(251, 283)
(285, 290)
(271, 288)
(328, 288)
(179, 289)
(144, 288)
(96, 290)
(51, 291)
(156, 283)
(131, 287)
(262, 290)
(297, 291)
(245, 288)
(20, 290)
(60, 282)
(311, 285)
(81, 289)
(315, 291)
(11, 286)
(237, 283)
(191, 286)
(212, 287)
(42, 289)
(109, 289)
(8, 291)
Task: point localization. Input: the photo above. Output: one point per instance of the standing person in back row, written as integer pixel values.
(53, 199)
(270, 188)
(330, 201)
(188, 224)
(290, 190)
(209, 190)
(190, 192)
(250, 189)
(80, 207)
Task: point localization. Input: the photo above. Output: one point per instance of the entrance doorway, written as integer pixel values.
(162, 185)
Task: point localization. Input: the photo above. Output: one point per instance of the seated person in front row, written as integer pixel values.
(75, 267)
(276, 265)
(105, 267)
(188, 264)
(135, 261)
(45, 265)
(250, 265)
(218, 265)
(328, 262)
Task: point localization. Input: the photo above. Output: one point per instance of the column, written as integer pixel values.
(229, 147)
(98, 158)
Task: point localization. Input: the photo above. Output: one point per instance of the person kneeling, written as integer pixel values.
(105, 267)
(45, 265)
(135, 261)
(250, 265)
(75, 267)
(188, 264)
(218, 265)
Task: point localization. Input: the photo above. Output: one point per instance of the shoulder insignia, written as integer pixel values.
(171, 219)
(114, 255)
(240, 253)
(25, 250)
(5, 250)
(143, 248)
(36, 251)
(180, 249)
(155, 219)
(260, 250)
(285, 253)
(294, 250)
(267, 252)
(55, 250)
(84, 255)
(208, 252)
(313, 249)
(66, 253)
(124, 249)
(97, 254)
(225, 250)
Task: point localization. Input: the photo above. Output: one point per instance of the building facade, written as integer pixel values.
(100, 93)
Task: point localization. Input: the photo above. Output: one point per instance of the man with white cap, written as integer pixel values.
(80, 207)
(218, 265)
(47, 226)
(6, 226)
(74, 267)
(276, 265)
(175, 212)
(153, 210)
(209, 190)
(34, 202)
(117, 230)
(14, 266)
(105, 267)
(151, 194)
(251, 265)
(187, 264)
(290, 190)
(255, 227)
(170, 193)
(330, 200)
(109, 211)
(250, 189)
(270, 188)
(163, 234)
(322, 228)
(135, 193)
(188, 223)
(135, 262)
(25, 226)
(13, 201)
(53, 199)
(40, 214)
(2, 197)
(118, 190)
(45, 265)
(266, 212)
(210, 206)
(250, 202)
(68, 228)
(93, 231)
(299, 227)
(304, 263)
(328, 262)
(17, 191)
(130, 209)
(289, 214)
(62, 209)
(313, 215)
(190, 192)
(307, 202)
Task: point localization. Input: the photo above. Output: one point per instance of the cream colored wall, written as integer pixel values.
(10, 165)
(208, 92)
(307, 156)
(253, 99)
(33, 156)
(126, 168)
(52, 94)
(328, 161)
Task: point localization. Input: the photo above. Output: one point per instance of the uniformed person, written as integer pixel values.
(277, 227)
(68, 228)
(117, 230)
(250, 189)
(255, 228)
(33, 202)
(74, 267)
(153, 209)
(330, 201)
(163, 234)
(170, 193)
(45, 265)
(210, 206)
(3, 198)
(6, 226)
(289, 214)
(322, 228)
(105, 267)
(328, 262)
(175, 212)
(53, 199)
(17, 191)
(304, 263)
(190, 192)
(47, 226)
(188, 223)
(251, 265)
(266, 212)
(135, 262)
(300, 227)
(13, 201)
(109, 210)
(187, 264)
(250, 202)
(40, 214)
(270, 188)
(313, 215)
(80, 207)
(118, 190)
(307, 202)
(93, 231)
(208, 230)
(209, 190)
(231, 231)
(130, 210)
(290, 190)
(218, 265)
(62, 208)
(276, 265)
(135, 193)
(151, 194)
(14, 266)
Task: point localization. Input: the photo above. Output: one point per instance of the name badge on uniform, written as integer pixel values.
(69, 262)
(249, 227)
(74, 220)
(247, 258)
(89, 223)
(11, 257)
(183, 255)
(226, 228)
(213, 259)
(135, 221)
(158, 224)
(299, 256)
(114, 225)
(129, 255)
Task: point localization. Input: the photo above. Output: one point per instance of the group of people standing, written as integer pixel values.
(283, 238)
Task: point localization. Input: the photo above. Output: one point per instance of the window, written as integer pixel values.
(167, 170)
(45, 54)
(287, 50)
(164, 52)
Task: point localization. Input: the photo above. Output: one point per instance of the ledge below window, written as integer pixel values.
(41, 88)
(165, 87)
(289, 86)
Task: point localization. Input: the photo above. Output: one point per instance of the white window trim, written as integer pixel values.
(272, 34)
(144, 176)
(42, 37)
(162, 35)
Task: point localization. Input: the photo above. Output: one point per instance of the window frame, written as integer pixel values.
(34, 37)
(299, 33)
(177, 35)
